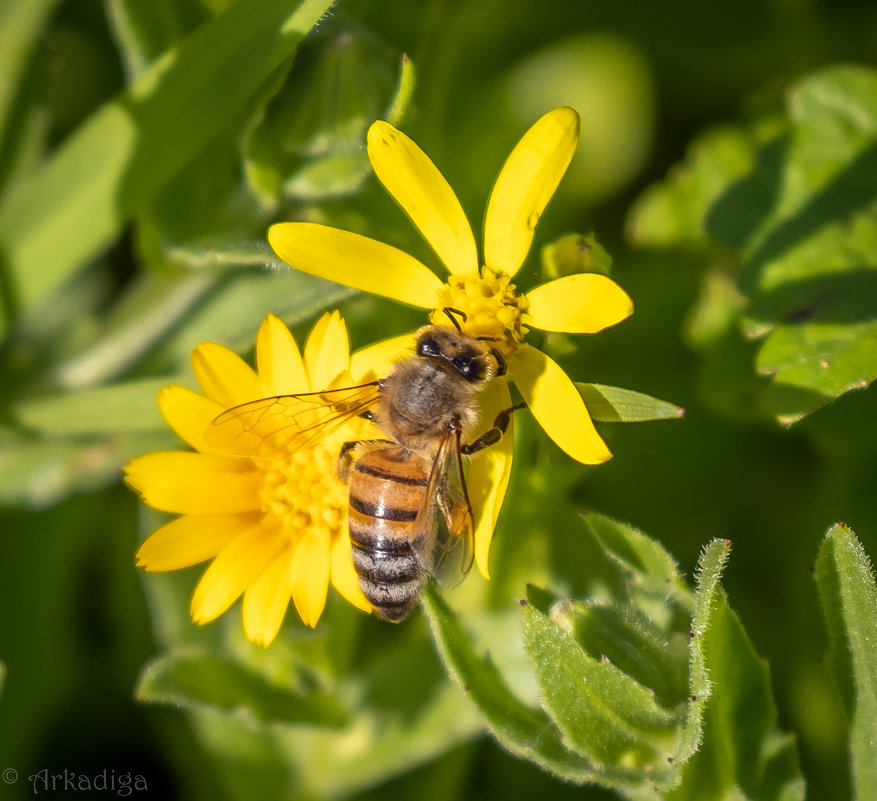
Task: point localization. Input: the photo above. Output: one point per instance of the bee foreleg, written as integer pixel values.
(494, 434)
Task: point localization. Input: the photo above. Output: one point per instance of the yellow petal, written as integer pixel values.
(327, 351)
(189, 414)
(557, 405)
(224, 376)
(579, 304)
(266, 600)
(344, 576)
(280, 367)
(376, 360)
(421, 190)
(310, 575)
(525, 184)
(238, 565)
(194, 483)
(489, 472)
(191, 539)
(355, 261)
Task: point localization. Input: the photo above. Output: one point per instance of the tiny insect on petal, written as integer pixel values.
(525, 184)
(421, 190)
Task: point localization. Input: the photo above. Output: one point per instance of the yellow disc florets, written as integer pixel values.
(302, 492)
(491, 306)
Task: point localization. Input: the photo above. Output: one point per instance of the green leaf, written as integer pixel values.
(709, 572)
(673, 213)
(646, 564)
(604, 714)
(116, 408)
(742, 754)
(23, 21)
(617, 405)
(849, 599)
(574, 253)
(795, 200)
(633, 642)
(194, 680)
(38, 473)
(145, 30)
(151, 308)
(117, 160)
(524, 731)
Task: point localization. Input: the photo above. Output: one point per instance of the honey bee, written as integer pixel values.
(409, 515)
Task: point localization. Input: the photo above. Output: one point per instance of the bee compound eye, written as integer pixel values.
(466, 365)
(428, 347)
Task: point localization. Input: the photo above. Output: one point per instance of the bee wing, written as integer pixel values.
(442, 535)
(286, 423)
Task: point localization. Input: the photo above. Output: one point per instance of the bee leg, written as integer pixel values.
(494, 434)
(346, 458)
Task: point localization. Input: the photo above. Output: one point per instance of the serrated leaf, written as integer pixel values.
(616, 405)
(524, 731)
(742, 754)
(603, 713)
(849, 600)
(119, 158)
(193, 680)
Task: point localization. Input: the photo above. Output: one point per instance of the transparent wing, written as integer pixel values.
(442, 535)
(286, 423)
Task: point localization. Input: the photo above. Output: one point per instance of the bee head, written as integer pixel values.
(464, 354)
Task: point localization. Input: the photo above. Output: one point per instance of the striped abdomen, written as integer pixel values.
(387, 489)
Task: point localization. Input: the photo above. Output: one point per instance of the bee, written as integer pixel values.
(409, 514)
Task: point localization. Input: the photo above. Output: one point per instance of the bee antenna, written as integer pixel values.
(451, 312)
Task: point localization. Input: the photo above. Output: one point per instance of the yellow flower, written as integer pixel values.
(484, 292)
(274, 523)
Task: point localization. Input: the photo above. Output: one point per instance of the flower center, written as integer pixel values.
(491, 305)
(303, 492)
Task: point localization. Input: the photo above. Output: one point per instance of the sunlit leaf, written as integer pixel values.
(617, 405)
(523, 730)
(602, 712)
(849, 600)
(647, 565)
(742, 753)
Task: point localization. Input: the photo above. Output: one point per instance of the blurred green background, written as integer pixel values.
(144, 149)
